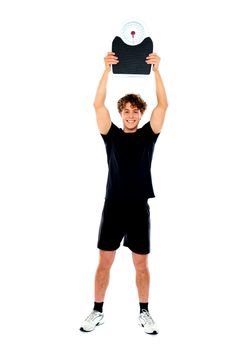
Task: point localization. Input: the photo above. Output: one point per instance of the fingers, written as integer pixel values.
(110, 58)
(153, 59)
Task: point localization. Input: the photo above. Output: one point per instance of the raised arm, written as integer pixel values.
(158, 113)
(102, 113)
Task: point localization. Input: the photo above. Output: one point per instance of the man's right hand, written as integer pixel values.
(110, 59)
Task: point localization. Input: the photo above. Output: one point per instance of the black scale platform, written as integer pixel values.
(132, 57)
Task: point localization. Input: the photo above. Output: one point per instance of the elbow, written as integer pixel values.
(97, 105)
(163, 106)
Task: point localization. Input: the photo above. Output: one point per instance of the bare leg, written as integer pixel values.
(142, 276)
(106, 259)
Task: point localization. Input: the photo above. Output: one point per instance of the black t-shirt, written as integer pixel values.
(129, 157)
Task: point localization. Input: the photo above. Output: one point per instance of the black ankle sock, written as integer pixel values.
(98, 306)
(144, 306)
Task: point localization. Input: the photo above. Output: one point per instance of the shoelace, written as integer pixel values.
(146, 317)
(92, 316)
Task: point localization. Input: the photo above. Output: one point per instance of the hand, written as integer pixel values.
(153, 59)
(110, 59)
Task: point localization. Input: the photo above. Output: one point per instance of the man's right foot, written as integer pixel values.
(94, 319)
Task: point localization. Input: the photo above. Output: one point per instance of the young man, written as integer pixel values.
(129, 185)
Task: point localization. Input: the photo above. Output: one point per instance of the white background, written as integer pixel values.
(53, 175)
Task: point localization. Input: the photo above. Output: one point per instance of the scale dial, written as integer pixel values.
(133, 33)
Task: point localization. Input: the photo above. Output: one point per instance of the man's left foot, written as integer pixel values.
(147, 322)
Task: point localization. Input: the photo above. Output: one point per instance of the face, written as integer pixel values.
(131, 117)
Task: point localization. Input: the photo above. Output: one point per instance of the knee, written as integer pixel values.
(141, 265)
(106, 261)
(104, 265)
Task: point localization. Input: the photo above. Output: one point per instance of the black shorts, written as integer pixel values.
(125, 219)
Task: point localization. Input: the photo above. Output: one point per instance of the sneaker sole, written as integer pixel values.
(98, 324)
(153, 333)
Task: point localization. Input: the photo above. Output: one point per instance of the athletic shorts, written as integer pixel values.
(127, 220)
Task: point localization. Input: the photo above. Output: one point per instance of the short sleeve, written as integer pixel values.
(147, 130)
(112, 131)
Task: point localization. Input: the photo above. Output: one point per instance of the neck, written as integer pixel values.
(129, 131)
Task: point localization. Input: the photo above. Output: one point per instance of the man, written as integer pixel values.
(129, 185)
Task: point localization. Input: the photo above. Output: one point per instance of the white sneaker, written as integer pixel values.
(94, 319)
(146, 321)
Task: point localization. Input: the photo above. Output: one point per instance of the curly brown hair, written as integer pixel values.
(134, 100)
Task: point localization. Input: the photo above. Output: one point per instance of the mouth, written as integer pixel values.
(130, 121)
